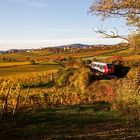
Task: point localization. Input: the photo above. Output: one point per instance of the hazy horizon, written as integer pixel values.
(36, 44)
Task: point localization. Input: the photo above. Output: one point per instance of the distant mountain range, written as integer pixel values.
(73, 46)
(80, 46)
(2, 51)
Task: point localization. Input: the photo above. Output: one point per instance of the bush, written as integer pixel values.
(115, 59)
(33, 62)
(135, 63)
(128, 98)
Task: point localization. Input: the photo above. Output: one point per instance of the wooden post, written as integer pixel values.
(26, 97)
(5, 104)
(17, 102)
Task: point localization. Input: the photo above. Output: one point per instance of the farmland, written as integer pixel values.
(58, 98)
(21, 68)
(65, 76)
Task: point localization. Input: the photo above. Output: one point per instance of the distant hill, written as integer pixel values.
(73, 46)
(2, 52)
(86, 46)
(15, 51)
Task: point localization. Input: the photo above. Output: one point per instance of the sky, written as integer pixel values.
(44, 23)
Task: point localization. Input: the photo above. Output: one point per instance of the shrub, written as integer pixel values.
(116, 59)
(33, 62)
(135, 63)
(128, 98)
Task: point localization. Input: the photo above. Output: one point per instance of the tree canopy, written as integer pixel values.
(114, 8)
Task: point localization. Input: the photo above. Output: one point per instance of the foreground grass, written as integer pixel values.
(75, 122)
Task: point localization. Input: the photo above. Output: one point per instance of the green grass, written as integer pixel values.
(102, 57)
(21, 69)
(121, 52)
(73, 123)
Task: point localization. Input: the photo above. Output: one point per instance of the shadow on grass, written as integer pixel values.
(72, 122)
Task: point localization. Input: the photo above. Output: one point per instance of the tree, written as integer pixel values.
(135, 40)
(112, 34)
(130, 9)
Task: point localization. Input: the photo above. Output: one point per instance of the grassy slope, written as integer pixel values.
(123, 52)
(79, 123)
(120, 52)
(43, 55)
(20, 69)
(126, 54)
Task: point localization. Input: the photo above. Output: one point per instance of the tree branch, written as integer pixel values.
(111, 35)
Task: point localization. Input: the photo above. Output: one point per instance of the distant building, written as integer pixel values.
(28, 51)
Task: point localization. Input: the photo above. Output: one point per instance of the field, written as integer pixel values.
(86, 87)
(43, 58)
(54, 99)
(44, 55)
(73, 122)
(23, 68)
(124, 53)
(48, 55)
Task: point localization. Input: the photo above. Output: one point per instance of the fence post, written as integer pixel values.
(26, 97)
(17, 102)
(5, 104)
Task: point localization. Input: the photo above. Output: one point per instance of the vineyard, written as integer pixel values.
(70, 70)
(61, 88)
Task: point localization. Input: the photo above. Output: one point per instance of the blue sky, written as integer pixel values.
(42, 23)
